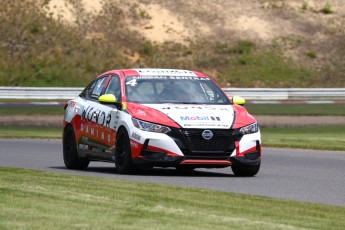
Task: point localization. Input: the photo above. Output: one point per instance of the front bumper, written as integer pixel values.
(161, 159)
(224, 150)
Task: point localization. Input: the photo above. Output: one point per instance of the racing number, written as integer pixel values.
(132, 82)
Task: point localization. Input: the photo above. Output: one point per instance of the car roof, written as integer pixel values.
(158, 72)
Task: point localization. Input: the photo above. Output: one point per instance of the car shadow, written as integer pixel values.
(157, 172)
(174, 172)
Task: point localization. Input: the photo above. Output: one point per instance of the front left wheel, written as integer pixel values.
(70, 152)
(245, 170)
(123, 156)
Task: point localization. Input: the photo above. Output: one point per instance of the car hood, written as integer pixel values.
(187, 116)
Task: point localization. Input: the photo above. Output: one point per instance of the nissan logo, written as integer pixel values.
(207, 134)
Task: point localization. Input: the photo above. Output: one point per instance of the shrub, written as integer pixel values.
(327, 9)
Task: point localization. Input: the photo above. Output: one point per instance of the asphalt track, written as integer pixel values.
(306, 175)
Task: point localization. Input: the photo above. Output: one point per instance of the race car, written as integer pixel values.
(160, 118)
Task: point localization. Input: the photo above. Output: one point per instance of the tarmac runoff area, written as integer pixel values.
(264, 121)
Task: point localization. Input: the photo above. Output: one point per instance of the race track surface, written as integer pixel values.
(306, 175)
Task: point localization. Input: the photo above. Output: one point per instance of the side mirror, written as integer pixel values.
(107, 99)
(238, 100)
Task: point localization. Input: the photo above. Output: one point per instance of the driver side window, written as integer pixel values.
(114, 87)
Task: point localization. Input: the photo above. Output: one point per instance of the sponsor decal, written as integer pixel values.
(99, 134)
(141, 112)
(199, 118)
(97, 116)
(136, 136)
(82, 146)
(196, 108)
(133, 81)
(108, 151)
(72, 104)
(84, 138)
(205, 125)
(165, 72)
(95, 149)
(134, 144)
(94, 144)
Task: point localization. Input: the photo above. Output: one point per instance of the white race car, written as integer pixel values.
(160, 118)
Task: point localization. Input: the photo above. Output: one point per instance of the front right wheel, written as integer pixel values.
(245, 170)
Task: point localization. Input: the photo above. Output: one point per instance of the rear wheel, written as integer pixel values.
(70, 151)
(245, 170)
(123, 156)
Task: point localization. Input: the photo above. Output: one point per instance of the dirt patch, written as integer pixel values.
(32, 121)
(158, 24)
(304, 33)
(162, 21)
(264, 121)
(66, 12)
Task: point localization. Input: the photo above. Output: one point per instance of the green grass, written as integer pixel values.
(40, 200)
(255, 109)
(33, 110)
(30, 132)
(320, 137)
(4, 100)
(327, 9)
(266, 69)
(297, 109)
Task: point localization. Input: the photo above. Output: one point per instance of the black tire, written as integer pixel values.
(70, 151)
(245, 170)
(123, 156)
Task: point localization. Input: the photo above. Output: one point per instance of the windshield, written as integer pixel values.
(173, 89)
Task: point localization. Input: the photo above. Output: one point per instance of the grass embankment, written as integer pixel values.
(42, 200)
(297, 109)
(30, 132)
(41, 51)
(319, 137)
(33, 110)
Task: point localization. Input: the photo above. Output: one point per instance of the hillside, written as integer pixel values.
(261, 43)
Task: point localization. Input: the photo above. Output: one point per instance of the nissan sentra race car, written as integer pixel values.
(160, 118)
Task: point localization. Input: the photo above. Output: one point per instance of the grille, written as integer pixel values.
(194, 146)
(219, 142)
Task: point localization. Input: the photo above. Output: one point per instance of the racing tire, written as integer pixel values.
(70, 152)
(123, 156)
(245, 170)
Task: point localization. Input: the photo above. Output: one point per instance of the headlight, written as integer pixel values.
(252, 128)
(150, 127)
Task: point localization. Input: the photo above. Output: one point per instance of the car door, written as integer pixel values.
(98, 119)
